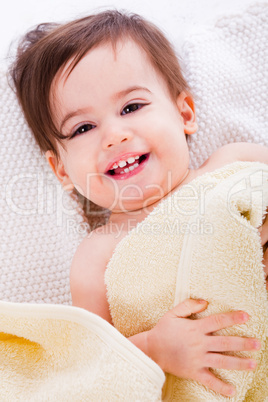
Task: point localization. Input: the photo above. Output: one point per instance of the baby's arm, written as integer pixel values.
(87, 275)
(181, 346)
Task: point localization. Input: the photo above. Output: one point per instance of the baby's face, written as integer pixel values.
(125, 144)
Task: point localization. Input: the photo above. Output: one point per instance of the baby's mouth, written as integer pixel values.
(126, 167)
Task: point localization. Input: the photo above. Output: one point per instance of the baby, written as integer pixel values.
(107, 103)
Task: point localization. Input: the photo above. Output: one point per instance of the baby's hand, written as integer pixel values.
(187, 348)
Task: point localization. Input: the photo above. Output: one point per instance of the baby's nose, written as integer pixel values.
(115, 135)
(115, 142)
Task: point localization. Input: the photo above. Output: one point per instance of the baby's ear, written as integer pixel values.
(186, 108)
(59, 170)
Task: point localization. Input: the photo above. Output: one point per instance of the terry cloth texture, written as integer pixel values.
(201, 242)
(60, 353)
(41, 226)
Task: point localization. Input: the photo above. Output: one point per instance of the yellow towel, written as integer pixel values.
(62, 353)
(200, 242)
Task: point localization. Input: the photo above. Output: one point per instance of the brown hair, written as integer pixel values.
(47, 48)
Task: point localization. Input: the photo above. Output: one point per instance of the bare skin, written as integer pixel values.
(181, 346)
(107, 120)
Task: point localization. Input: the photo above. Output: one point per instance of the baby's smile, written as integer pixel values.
(127, 166)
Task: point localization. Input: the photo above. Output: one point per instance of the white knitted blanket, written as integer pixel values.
(40, 228)
(226, 67)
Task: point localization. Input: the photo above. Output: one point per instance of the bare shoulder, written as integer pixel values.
(88, 270)
(239, 151)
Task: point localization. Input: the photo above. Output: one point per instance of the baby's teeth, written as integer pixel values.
(122, 164)
(131, 159)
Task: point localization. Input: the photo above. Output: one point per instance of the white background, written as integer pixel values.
(173, 16)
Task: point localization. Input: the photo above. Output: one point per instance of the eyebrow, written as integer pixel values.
(115, 97)
(127, 91)
(71, 115)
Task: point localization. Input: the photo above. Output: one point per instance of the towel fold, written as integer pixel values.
(62, 353)
(201, 242)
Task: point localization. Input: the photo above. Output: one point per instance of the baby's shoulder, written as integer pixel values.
(95, 249)
(239, 151)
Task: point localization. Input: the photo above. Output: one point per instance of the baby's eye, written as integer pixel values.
(132, 108)
(82, 129)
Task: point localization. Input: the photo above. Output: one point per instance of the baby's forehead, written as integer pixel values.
(114, 48)
(119, 51)
(110, 67)
(105, 71)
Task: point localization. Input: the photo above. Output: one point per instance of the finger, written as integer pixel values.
(219, 361)
(219, 321)
(232, 344)
(189, 307)
(212, 382)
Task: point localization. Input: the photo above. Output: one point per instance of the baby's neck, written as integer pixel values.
(139, 215)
